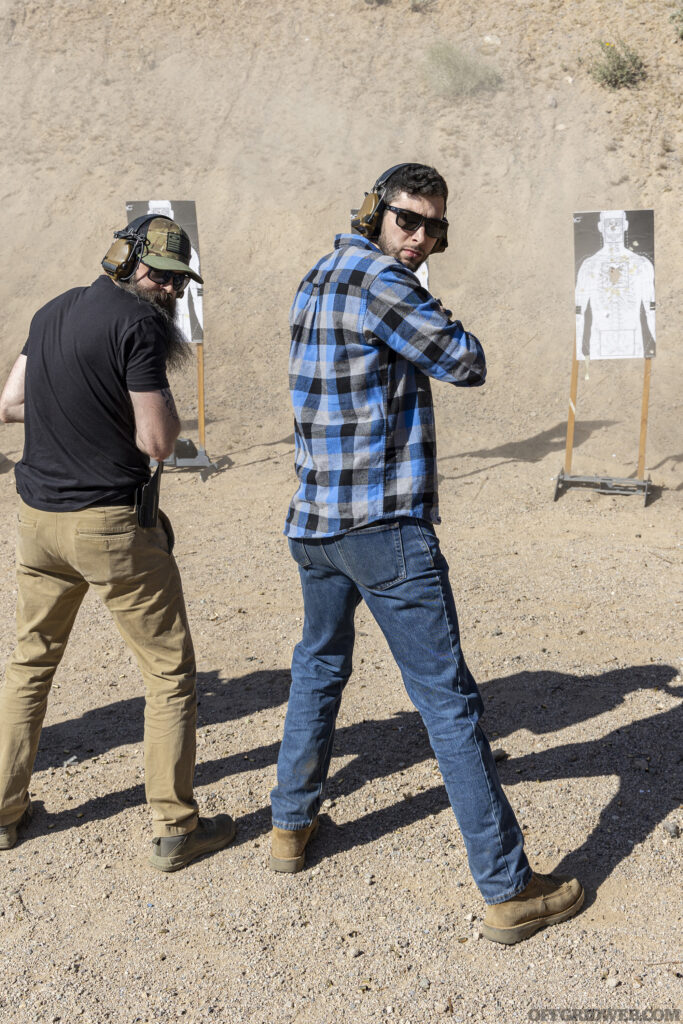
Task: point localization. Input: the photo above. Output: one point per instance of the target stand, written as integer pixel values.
(606, 484)
(187, 455)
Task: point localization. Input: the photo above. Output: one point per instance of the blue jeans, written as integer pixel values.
(396, 566)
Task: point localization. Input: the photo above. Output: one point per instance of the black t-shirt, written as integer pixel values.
(85, 351)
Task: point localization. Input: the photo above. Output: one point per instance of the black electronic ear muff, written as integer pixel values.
(368, 220)
(128, 247)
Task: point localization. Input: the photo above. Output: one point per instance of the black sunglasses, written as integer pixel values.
(408, 220)
(164, 276)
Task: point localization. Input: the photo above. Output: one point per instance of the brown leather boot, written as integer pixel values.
(288, 847)
(547, 899)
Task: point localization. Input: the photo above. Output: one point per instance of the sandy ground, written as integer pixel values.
(275, 120)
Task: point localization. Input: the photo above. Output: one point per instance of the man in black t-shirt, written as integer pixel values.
(90, 386)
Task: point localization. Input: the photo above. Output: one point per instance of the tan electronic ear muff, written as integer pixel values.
(128, 247)
(368, 220)
(121, 259)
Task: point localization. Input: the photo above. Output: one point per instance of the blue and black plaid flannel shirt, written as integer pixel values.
(366, 337)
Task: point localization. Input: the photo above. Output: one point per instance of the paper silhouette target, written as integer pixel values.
(615, 284)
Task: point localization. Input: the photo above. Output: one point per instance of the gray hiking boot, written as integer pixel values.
(171, 853)
(8, 833)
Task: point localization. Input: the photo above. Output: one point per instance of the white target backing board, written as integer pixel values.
(615, 284)
(189, 308)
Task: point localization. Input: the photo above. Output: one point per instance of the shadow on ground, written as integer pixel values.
(119, 723)
(529, 449)
(542, 702)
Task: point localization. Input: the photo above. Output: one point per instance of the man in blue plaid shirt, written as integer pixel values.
(366, 339)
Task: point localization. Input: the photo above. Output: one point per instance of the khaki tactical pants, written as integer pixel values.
(59, 555)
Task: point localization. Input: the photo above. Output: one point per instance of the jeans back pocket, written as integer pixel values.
(373, 555)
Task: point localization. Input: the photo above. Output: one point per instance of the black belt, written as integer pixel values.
(128, 499)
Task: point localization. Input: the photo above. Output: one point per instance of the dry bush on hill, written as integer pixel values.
(618, 67)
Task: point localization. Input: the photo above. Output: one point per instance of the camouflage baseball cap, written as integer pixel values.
(168, 247)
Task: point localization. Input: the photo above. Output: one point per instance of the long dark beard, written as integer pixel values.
(178, 352)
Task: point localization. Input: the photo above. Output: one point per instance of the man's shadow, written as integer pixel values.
(643, 800)
(545, 702)
(404, 732)
(529, 449)
(644, 755)
(644, 797)
(382, 747)
(119, 723)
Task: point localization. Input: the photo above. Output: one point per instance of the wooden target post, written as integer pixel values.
(643, 417)
(200, 395)
(571, 415)
(606, 484)
(187, 454)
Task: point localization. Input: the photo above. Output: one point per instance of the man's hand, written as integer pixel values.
(157, 424)
(12, 398)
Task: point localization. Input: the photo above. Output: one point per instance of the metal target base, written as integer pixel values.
(188, 456)
(604, 485)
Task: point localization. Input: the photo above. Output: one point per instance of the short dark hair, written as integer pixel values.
(416, 179)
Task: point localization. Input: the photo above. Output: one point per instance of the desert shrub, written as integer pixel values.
(454, 73)
(422, 6)
(677, 18)
(618, 66)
